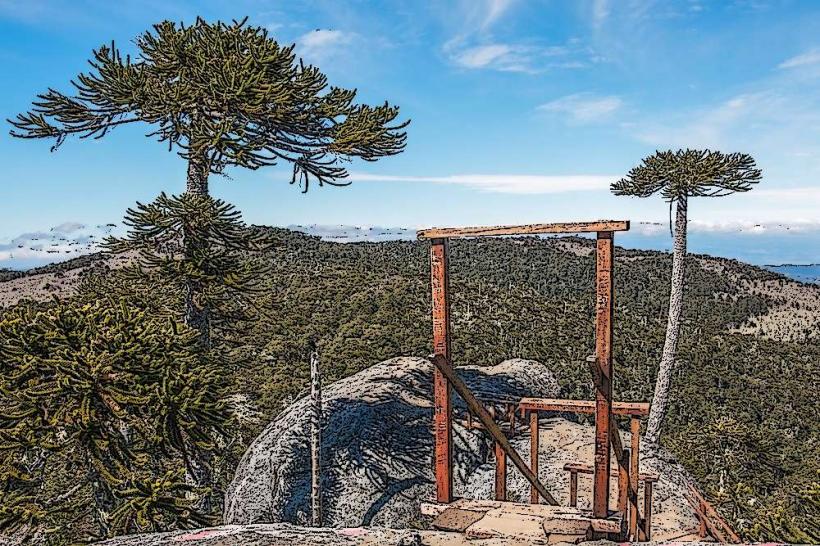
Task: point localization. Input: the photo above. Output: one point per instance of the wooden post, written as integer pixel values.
(573, 488)
(634, 467)
(623, 482)
(702, 531)
(315, 440)
(534, 441)
(603, 362)
(442, 392)
(647, 509)
(500, 473)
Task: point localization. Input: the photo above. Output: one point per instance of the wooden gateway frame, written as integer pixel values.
(606, 430)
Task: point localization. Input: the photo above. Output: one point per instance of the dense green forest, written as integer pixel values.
(743, 415)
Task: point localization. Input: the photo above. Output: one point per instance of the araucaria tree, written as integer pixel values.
(677, 176)
(221, 95)
(103, 409)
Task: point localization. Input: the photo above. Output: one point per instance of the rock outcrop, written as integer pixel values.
(376, 447)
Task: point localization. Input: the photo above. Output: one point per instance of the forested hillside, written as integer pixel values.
(744, 404)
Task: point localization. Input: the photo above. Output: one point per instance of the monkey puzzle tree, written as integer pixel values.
(677, 176)
(221, 95)
(103, 408)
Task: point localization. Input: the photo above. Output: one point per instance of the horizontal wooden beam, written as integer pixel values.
(529, 229)
(581, 406)
(583, 468)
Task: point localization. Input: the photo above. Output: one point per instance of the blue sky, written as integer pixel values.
(522, 111)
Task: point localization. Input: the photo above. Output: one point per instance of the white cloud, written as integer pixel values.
(503, 183)
(501, 57)
(755, 228)
(747, 118)
(808, 58)
(321, 44)
(745, 227)
(494, 10)
(61, 242)
(481, 56)
(600, 12)
(507, 57)
(584, 107)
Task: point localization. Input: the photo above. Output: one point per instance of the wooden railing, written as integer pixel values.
(711, 524)
(629, 477)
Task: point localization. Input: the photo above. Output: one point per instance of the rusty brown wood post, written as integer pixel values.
(500, 473)
(624, 482)
(634, 468)
(573, 488)
(647, 509)
(442, 391)
(702, 531)
(534, 441)
(603, 362)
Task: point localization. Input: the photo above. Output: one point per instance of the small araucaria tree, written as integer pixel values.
(677, 176)
(221, 95)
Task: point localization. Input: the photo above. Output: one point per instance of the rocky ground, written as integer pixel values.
(377, 452)
(282, 534)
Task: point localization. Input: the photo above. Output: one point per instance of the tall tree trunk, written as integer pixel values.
(198, 171)
(196, 316)
(660, 400)
(315, 440)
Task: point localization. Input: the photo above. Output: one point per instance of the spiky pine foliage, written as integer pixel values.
(796, 519)
(689, 173)
(99, 397)
(677, 176)
(201, 247)
(222, 95)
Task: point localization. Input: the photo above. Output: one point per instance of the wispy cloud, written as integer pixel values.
(600, 12)
(475, 46)
(584, 107)
(744, 227)
(503, 183)
(494, 10)
(322, 44)
(808, 58)
(745, 119)
(503, 57)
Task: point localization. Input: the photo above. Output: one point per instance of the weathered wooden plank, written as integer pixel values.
(583, 468)
(534, 443)
(442, 392)
(717, 526)
(603, 362)
(647, 510)
(562, 405)
(623, 481)
(500, 473)
(492, 427)
(635, 443)
(528, 229)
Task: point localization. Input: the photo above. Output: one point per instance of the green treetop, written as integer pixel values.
(221, 95)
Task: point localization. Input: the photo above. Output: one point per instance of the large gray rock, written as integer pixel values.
(377, 446)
